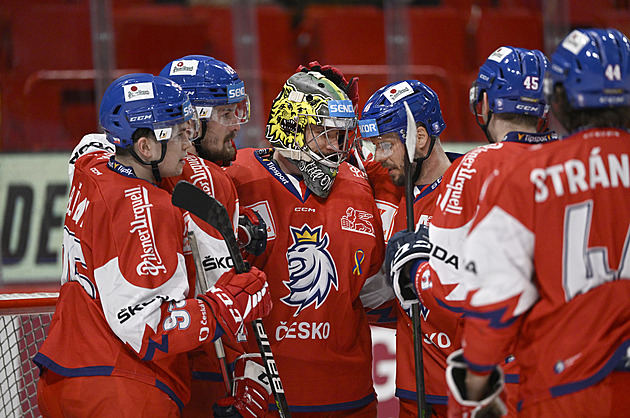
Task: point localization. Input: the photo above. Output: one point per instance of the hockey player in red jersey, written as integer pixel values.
(507, 99)
(383, 127)
(219, 96)
(126, 315)
(547, 258)
(325, 240)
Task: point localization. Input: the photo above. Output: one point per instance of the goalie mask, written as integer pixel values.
(312, 123)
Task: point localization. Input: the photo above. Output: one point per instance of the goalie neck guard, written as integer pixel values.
(312, 123)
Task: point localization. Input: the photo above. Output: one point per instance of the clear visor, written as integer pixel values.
(227, 115)
(377, 147)
(187, 126)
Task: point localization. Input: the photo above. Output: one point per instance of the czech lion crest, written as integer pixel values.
(312, 271)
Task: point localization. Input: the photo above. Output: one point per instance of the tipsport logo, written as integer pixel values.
(312, 270)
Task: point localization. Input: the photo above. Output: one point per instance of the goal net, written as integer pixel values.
(24, 322)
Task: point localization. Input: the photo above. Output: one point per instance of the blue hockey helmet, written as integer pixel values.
(140, 100)
(513, 80)
(384, 112)
(209, 83)
(594, 67)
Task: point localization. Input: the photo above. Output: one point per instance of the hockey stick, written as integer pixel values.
(210, 210)
(410, 143)
(202, 284)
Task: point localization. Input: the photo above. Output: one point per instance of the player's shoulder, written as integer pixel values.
(352, 176)
(89, 144)
(247, 164)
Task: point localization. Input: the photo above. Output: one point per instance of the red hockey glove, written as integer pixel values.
(491, 406)
(251, 392)
(252, 232)
(351, 88)
(236, 299)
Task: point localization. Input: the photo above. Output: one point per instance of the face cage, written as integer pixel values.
(344, 129)
(230, 114)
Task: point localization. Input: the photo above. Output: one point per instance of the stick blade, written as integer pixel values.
(191, 198)
(411, 136)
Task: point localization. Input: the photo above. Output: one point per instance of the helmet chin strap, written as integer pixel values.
(154, 164)
(197, 142)
(419, 161)
(484, 127)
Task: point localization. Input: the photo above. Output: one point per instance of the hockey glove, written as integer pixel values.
(252, 232)
(251, 392)
(492, 405)
(236, 299)
(403, 249)
(351, 88)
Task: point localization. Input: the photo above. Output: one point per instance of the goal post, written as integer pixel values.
(24, 322)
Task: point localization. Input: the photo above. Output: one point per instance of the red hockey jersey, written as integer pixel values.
(547, 264)
(124, 306)
(320, 251)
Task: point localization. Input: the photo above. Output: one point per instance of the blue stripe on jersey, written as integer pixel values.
(152, 346)
(329, 408)
(411, 396)
(43, 361)
(382, 316)
(170, 393)
(512, 378)
(619, 358)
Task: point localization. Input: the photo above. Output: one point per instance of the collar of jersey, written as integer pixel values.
(530, 138)
(291, 183)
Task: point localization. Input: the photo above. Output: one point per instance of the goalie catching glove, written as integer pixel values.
(236, 299)
(251, 392)
(493, 403)
(252, 232)
(405, 248)
(351, 88)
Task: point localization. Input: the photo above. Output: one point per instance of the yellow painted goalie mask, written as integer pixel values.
(312, 123)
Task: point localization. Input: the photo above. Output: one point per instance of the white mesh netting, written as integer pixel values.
(21, 335)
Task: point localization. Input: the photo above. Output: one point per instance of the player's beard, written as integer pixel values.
(227, 151)
(396, 175)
